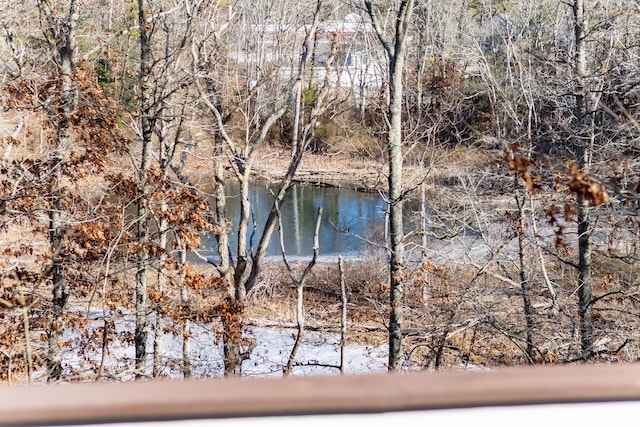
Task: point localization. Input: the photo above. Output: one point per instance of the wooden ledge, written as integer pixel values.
(104, 402)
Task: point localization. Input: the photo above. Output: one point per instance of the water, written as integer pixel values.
(348, 217)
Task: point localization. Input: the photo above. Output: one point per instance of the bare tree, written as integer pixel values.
(584, 121)
(259, 118)
(147, 121)
(162, 128)
(299, 285)
(395, 47)
(60, 31)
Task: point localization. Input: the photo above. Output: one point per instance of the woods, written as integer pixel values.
(502, 136)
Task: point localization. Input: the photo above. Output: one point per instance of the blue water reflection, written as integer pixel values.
(348, 216)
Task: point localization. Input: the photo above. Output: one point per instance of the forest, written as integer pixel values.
(501, 136)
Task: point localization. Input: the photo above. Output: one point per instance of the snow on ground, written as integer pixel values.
(319, 352)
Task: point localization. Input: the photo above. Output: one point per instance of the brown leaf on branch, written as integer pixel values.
(570, 212)
(521, 166)
(590, 190)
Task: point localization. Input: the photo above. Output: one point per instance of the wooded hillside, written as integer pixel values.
(502, 135)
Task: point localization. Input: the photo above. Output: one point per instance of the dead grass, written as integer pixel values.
(455, 318)
(273, 301)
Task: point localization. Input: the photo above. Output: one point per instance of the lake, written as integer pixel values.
(348, 217)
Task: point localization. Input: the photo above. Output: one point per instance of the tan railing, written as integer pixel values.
(222, 398)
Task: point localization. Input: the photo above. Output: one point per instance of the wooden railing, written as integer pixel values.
(104, 402)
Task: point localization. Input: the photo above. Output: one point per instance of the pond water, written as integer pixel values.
(348, 217)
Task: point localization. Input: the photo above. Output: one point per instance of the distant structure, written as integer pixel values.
(357, 63)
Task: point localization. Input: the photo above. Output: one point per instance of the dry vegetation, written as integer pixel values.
(458, 313)
(491, 133)
(457, 316)
(462, 309)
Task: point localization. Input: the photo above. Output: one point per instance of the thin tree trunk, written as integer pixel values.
(343, 320)
(186, 328)
(222, 237)
(395, 50)
(423, 230)
(60, 292)
(520, 197)
(300, 286)
(158, 340)
(146, 120)
(186, 350)
(243, 236)
(296, 119)
(584, 279)
(524, 282)
(300, 324)
(584, 139)
(232, 338)
(232, 322)
(28, 353)
(543, 266)
(65, 37)
(104, 349)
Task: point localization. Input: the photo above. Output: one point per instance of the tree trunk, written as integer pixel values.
(423, 230)
(231, 341)
(66, 40)
(60, 292)
(186, 350)
(584, 139)
(584, 279)
(300, 324)
(395, 50)
(524, 282)
(243, 236)
(186, 328)
(396, 233)
(299, 284)
(343, 319)
(146, 121)
(158, 340)
(232, 337)
(220, 209)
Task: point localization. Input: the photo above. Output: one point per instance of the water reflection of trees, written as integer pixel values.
(350, 219)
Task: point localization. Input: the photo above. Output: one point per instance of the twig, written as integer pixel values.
(318, 364)
(105, 345)
(299, 283)
(343, 323)
(543, 265)
(582, 358)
